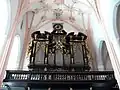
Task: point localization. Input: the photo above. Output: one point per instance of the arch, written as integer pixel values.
(13, 62)
(74, 25)
(105, 58)
(77, 29)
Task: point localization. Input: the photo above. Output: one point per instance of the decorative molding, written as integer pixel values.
(58, 13)
(72, 19)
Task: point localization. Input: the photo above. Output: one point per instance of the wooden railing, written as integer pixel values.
(59, 76)
(34, 79)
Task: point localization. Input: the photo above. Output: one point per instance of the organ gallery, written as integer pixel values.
(59, 60)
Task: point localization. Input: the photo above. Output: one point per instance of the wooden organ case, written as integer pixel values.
(58, 50)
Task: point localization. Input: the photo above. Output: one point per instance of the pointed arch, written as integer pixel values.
(104, 63)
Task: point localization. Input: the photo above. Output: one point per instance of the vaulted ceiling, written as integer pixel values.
(73, 13)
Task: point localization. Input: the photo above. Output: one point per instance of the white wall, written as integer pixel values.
(97, 37)
(14, 7)
(107, 11)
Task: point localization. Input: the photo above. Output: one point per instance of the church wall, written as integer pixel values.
(14, 7)
(98, 34)
(110, 23)
(21, 33)
(97, 37)
(12, 10)
(24, 34)
(108, 34)
(7, 28)
(7, 46)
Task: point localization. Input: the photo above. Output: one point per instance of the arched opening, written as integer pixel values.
(13, 62)
(105, 57)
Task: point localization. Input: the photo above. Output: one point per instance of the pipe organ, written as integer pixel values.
(58, 50)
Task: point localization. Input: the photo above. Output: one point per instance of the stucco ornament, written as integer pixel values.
(58, 13)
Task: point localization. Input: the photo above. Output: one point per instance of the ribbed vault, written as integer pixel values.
(71, 12)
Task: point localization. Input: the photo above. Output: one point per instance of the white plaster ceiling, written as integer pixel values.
(70, 12)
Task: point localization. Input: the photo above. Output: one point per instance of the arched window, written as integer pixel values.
(4, 21)
(13, 62)
(105, 58)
